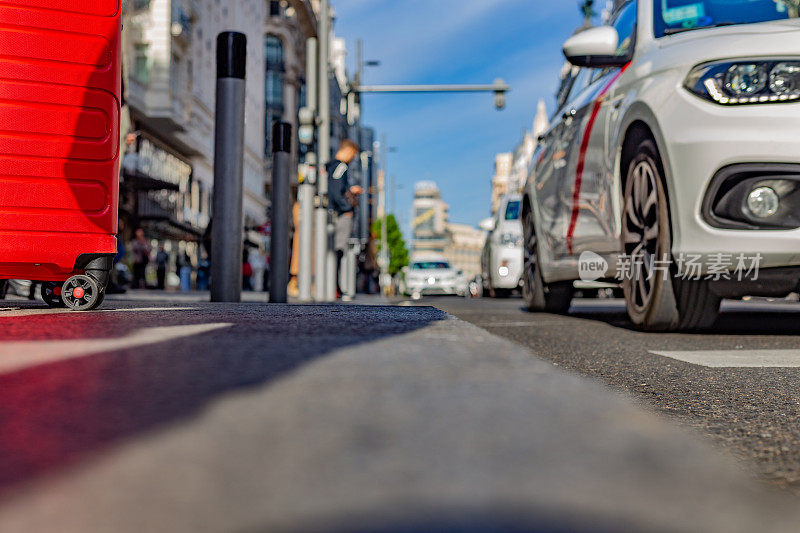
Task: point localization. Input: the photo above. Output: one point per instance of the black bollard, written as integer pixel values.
(279, 245)
(226, 232)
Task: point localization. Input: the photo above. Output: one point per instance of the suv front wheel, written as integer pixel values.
(656, 297)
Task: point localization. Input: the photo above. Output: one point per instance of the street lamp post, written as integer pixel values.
(321, 244)
(385, 256)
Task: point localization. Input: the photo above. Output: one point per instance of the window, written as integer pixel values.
(275, 8)
(625, 24)
(512, 210)
(273, 51)
(681, 15)
(430, 265)
(274, 88)
(141, 68)
(581, 81)
(273, 84)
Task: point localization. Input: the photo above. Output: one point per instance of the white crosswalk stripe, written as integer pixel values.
(737, 358)
(17, 355)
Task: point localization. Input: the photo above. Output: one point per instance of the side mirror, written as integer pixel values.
(594, 48)
(487, 224)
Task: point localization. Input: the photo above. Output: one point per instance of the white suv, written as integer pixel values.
(673, 162)
(432, 276)
(501, 260)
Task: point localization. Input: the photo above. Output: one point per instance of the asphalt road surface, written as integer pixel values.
(161, 415)
(738, 383)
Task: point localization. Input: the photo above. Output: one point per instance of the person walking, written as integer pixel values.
(342, 199)
(162, 259)
(247, 272)
(141, 250)
(184, 267)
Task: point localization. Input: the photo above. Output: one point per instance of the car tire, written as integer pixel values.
(656, 298)
(538, 295)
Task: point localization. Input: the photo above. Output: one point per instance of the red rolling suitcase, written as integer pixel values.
(60, 81)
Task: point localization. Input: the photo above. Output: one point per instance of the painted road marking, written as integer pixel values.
(538, 323)
(17, 355)
(15, 312)
(737, 358)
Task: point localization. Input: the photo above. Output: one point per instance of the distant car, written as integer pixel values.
(432, 276)
(672, 163)
(502, 258)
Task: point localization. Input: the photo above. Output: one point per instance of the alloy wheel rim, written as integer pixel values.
(641, 234)
(529, 256)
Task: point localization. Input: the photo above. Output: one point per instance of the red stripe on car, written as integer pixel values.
(576, 194)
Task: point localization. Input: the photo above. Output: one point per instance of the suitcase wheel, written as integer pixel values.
(82, 293)
(51, 294)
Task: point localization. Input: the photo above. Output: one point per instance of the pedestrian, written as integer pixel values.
(203, 273)
(294, 263)
(369, 264)
(162, 259)
(267, 267)
(342, 199)
(118, 279)
(257, 263)
(184, 268)
(32, 290)
(140, 249)
(247, 273)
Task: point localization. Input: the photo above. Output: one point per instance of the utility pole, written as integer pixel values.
(322, 238)
(384, 279)
(306, 188)
(391, 193)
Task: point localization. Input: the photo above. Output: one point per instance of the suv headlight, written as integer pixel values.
(746, 82)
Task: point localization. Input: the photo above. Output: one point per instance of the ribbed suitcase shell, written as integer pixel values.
(59, 134)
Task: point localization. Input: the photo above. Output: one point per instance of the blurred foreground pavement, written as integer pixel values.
(189, 416)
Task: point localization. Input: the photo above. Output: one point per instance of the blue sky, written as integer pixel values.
(452, 139)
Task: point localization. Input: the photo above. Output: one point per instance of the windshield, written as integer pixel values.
(678, 15)
(430, 265)
(512, 211)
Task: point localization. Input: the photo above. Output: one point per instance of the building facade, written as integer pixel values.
(503, 164)
(436, 237)
(169, 64)
(512, 168)
(429, 222)
(464, 247)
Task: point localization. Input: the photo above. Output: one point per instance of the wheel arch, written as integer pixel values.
(640, 122)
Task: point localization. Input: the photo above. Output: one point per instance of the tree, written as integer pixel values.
(398, 253)
(792, 5)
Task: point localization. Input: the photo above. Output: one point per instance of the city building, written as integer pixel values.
(464, 247)
(502, 176)
(511, 168)
(436, 236)
(169, 65)
(429, 220)
(523, 153)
